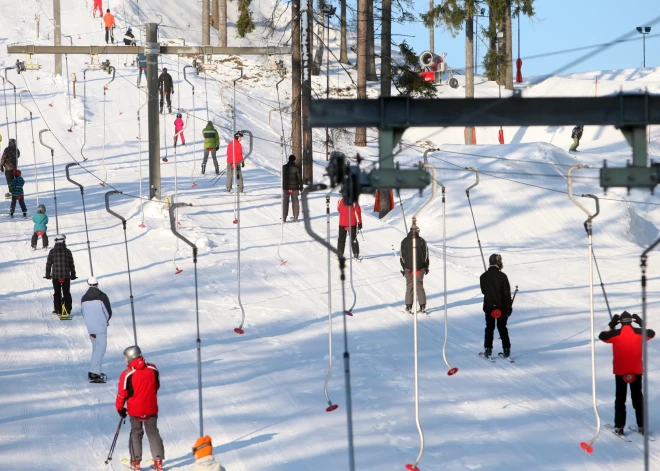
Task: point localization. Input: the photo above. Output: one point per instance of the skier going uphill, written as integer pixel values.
(211, 145)
(166, 89)
(497, 305)
(9, 162)
(137, 397)
(292, 185)
(109, 22)
(628, 367)
(61, 269)
(97, 312)
(98, 5)
(178, 129)
(421, 264)
(235, 162)
(40, 221)
(16, 187)
(349, 224)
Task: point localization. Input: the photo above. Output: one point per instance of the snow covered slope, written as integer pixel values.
(264, 403)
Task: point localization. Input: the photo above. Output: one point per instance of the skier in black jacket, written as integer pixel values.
(61, 269)
(576, 134)
(292, 186)
(497, 298)
(166, 89)
(422, 266)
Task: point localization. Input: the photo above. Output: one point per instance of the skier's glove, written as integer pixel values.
(217, 148)
(637, 319)
(48, 277)
(426, 271)
(403, 273)
(614, 321)
(74, 278)
(242, 164)
(359, 226)
(122, 412)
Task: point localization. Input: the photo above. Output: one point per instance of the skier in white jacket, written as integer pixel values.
(97, 313)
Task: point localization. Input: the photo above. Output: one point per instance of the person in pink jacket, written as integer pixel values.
(178, 129)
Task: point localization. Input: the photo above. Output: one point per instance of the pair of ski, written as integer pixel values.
(149, 464)
(624, 437)
(500, 355)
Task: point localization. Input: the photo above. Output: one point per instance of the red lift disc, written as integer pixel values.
(102, 184)
(496, 313)
(235, 221)
(410, 467)
(587, 447)
(178, 270)
(239, 331)
(452, 371)
(164, 159)
(629, 377)
(331, 408)
(348, 313)
(142, 226)
(195, 185)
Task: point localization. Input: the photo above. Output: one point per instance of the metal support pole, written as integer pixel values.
(82, 195)
(152, 50)
(52, 160)
(233, 108)
(57, 36)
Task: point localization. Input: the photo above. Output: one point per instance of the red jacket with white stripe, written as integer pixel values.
(138, 385)
(356, 213)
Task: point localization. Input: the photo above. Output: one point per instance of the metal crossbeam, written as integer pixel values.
(174, 50)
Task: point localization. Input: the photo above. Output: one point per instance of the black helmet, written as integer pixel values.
(496, 260)
(12, 142)
(132, 352)
(178, 115)
(238, 134)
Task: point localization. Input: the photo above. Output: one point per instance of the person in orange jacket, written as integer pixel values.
(350, 218)
(235, 161)
(98, 5)
(109, 22)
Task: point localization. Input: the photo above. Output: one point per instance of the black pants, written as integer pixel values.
(21, 202)
(620, 402)
(169, 100)
(110, 35)
(44, 239)
(341, 243)
(9, 176)
(501, 328)
(64, 287)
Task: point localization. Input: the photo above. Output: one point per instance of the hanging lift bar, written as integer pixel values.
(467, 192)
(34, 150)
(82, 195)
(192, 174)
(52, 161)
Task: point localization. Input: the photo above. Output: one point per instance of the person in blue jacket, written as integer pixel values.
(142, 67)
(40, 220)
(16, 187)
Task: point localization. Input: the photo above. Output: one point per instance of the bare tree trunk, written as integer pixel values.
(296, 85)
(492, 43)
(386, 50)
(343, 53)
(206, 29)
(215, 14)
(371, 44)
(508, 69)
(501, 49)
(318, 56)
(469, 66)
(222, 23)
(431, 30)
(308, 156)
(362, 27)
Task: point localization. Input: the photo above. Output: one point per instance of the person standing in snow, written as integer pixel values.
(98, 5)
(628, 367)
(9, 162)
(142, 67)
(40, 221)
(203, 453)
(137, 397)
(166, 89)
(211, 144)
(292, 185)
(109, 22)
(61, 269)
(16, 187)
(421, 255)
(129, 38)
(178, 129)
(350, 220)
(235, 161)
(576, 135)
(96, 311)
(497, 299)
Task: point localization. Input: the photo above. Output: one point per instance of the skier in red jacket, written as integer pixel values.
(628, 368)
(138, 385)
(235, 161)
(97, 6)
(346, 220)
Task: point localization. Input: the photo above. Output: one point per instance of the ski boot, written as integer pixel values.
(409, 308)
(618, 431)
(34, 247)
(135, 465)
(488, 353)
(217, 171)
(158, 465)
(203, 169)
(25, 215)
(422, 307)
(11, 215)
(161, 110)
(170, 108)
(506, 353)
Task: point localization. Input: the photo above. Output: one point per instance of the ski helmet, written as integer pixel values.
(496, 259)
(238, 134)
(41, 209)
(12, 142)
(59, 238)
(108, 10)
(93, 281)
(129, 30)
(179, 115)
(17, 173)
(164, 70)
(132, 352)
(626, 318)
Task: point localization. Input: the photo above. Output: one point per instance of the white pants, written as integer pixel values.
(99, 344)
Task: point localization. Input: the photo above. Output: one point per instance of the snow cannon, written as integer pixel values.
(434, 66)
(496, 313)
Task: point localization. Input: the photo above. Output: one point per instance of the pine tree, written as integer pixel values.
(244, 24)
(406, 76)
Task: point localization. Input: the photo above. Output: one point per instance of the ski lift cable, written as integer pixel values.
(192, 173)
(593, 254)
(15, 119)
(4, 91)
(34, 149)
(52, 161)
(105, 89)
(176, 193)
(331, 406)
(85, 115)
(141, 225)
(350, 258)
(283, 162)
(82, 195)
(467, 192)
(346, 356)
(588, 446)
(173, 227)
(128, 262)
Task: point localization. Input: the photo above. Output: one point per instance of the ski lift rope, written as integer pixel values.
(105, 88)
(177, 270)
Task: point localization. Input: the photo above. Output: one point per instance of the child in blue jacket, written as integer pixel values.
(40, 220)
(16, 187)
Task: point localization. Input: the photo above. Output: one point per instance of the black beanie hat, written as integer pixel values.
(626, 318)
(292, 158)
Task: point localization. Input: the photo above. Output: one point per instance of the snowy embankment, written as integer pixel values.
(263, 392)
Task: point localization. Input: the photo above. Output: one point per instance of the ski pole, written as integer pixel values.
(514, 295)
(362, 234)
(114, 442)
